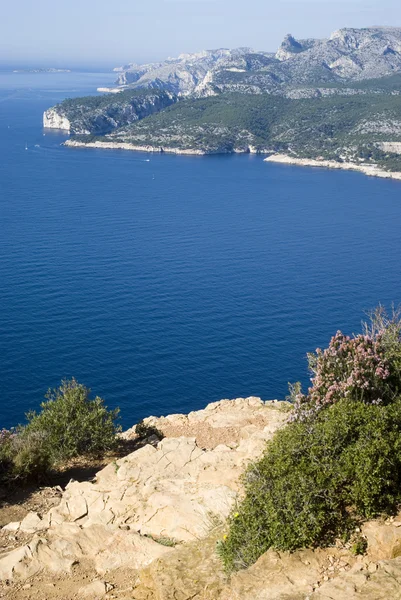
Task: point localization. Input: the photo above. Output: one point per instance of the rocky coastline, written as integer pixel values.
(371, 170)
(156, 149)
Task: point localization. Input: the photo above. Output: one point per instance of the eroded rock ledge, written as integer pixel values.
(147, 526)
(177, 490)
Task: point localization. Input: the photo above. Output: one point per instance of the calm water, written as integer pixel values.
(166, 282)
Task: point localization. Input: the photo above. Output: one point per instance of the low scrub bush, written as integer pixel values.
(70, 424)
(317, 480)
(337, 461)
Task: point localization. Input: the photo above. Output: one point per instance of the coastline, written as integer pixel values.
(132, 147)
(158, 149)
(371, 170)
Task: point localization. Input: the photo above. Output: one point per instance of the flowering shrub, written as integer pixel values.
(338, 460)
(364, 368)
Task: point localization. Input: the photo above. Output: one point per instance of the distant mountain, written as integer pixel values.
(348, 55)
(336, 99)
(189, 73)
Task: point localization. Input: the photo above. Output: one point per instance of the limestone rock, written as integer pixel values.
(192, 571)
(382, 584)
(96, 589)
(76, 117)
(176, 490)
(54, 119)
(32, 523)
(384, 539)
(349, 54)
(276, 577)
(14, 526)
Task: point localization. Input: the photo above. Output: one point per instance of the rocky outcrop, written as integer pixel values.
(99, 115)
(394, 147)
(182, 75)
(349, 54)
(54, 118)
(289, 47)
(194, 571)
(171, 493)
(146, 528)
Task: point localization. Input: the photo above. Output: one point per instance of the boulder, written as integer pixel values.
(32, 523)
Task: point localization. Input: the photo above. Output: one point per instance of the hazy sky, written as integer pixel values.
(112, 32)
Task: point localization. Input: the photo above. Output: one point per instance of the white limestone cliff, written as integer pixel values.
(52, 119)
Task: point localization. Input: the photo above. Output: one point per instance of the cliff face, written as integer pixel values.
(98, 115)
(56, 119)
(182, 75)
(348, 55)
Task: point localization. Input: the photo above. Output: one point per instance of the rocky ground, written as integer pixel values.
(146, 526)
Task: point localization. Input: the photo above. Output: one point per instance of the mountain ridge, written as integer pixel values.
(347, 54)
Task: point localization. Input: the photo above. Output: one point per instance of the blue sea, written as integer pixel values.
(167, 282)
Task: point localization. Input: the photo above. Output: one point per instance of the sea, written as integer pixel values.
(165, 282)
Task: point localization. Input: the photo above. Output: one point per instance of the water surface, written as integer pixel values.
(166, 282)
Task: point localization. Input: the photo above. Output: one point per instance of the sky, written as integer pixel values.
(113, 32)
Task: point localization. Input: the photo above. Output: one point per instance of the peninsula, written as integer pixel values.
(336, 101)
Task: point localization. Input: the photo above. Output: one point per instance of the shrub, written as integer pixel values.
(364, 368)
(70, 424)
(338, 460)
(23, 454)
(317, 479)
(6, 451)
(359, 546)
(31, 455)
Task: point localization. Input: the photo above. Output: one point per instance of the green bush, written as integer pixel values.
(71, 424)
(6, 451)
(317, 479)
(31, 455)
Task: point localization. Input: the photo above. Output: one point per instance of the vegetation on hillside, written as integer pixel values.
(338, 460)
(70, 424)
(74, 106)
(335, 127)
(102, 114)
